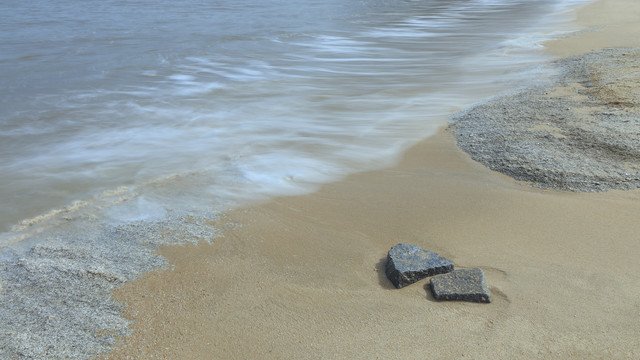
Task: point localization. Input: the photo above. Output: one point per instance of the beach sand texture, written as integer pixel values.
(303, 277)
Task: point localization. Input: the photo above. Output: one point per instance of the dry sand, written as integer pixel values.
(301, 277)
(606, 24)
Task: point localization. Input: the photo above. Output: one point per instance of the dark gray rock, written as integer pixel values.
(407, 264)
(461, 284)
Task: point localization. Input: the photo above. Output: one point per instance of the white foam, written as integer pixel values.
(272, 124)
(147, 144)
(182, 78)
(137, 209)
(55, 213)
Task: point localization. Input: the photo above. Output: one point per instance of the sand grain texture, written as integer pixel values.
(303, 277)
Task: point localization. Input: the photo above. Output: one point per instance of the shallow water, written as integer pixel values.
(125, 125)
(164, 104)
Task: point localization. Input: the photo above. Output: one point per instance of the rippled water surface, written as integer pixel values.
(166, 104)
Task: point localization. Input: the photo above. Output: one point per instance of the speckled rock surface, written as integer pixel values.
(461, 284)
(407, 264)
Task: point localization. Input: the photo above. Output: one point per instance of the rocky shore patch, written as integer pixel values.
(579, 132)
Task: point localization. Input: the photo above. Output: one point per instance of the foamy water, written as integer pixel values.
(125, 125)
(155, 105)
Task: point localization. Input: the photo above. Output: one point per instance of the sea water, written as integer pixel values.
(124, 121)
(167, 103)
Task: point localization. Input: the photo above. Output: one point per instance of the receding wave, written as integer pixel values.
(125, 127)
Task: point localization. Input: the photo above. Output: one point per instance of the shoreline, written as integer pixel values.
(301, 276)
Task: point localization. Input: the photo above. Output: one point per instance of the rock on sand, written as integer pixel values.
(461, 284)
(407, 264)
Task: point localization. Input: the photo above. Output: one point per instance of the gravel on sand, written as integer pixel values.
(578, 132)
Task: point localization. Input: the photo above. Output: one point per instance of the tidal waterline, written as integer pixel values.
(242, 100)
(125, 126)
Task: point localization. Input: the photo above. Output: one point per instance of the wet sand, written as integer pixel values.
(302, 277)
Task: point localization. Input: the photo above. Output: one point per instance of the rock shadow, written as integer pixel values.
(384, 282)
(427, 289)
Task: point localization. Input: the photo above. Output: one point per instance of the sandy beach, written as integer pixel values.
(302, 277)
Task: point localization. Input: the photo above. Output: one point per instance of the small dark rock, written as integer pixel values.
(407, 264)
(461, 284)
